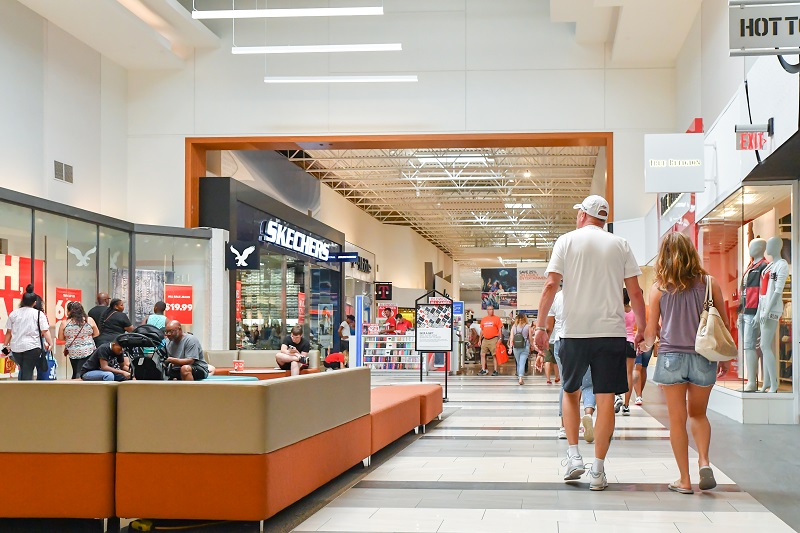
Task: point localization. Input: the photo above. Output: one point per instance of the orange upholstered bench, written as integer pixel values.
(431, 401)
(244, 451)
(394, 411)
(57, 449)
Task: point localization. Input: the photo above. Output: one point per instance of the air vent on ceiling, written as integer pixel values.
(63, 172)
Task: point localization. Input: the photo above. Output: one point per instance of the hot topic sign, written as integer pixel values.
(179, 303)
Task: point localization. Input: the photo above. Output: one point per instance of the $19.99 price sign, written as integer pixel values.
(179, 303)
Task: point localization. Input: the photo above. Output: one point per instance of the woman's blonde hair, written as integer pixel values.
(678, 264)
(521, 320)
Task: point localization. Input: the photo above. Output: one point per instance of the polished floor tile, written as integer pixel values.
(494, 464)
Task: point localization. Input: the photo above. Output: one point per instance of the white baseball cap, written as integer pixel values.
(595, 206)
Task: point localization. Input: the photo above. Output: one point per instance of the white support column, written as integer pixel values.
(219, 293)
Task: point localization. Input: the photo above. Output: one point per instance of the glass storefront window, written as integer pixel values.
(114, 257)
(732, 241)
(261, 317)
(173, 270)
(15, 253)
(68, 248)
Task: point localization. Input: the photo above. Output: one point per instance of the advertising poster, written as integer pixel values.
(15, 275)
(325, 316)
(499, 288)
(179, 303)
(381, 318)
(434, 332)
(238, 301)
(530, 283)
(301, 307)
(63, 297)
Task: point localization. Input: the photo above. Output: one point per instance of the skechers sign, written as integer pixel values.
(274, 232)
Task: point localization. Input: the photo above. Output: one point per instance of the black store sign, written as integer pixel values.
(383, 291)
(242, 255)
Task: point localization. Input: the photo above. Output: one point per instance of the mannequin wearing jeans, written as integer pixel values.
(749, 326)
(770, 308)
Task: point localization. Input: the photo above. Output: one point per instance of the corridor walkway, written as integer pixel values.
(493, 464)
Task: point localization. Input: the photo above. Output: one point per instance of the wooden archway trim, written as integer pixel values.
(197, 147)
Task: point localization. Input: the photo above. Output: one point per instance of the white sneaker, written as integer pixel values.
(617, 403)
(588, 428)
(639, 400)
(562, 434)
(575, 468)
(597, 480)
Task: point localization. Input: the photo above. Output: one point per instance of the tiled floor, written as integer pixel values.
(494, 464)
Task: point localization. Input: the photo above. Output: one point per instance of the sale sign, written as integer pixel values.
(179, 303)
(238, 301)
(15, 275)
(63, 298)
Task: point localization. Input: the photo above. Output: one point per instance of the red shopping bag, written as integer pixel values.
(501, 353)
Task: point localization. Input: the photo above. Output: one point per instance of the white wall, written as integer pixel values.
(499, 66)
(62, 101)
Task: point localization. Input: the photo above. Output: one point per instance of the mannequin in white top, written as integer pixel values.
(749, 326)
(770, 309)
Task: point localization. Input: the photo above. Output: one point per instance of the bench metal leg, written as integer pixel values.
(439, 416)
(366, 462)
(416, 430)
(423, 428)
(112, 525)
(261, 526)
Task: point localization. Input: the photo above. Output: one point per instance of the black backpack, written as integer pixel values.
(519, 339)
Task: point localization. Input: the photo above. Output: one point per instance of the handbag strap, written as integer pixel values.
(39, 329)
(709, 300)
(75, 337)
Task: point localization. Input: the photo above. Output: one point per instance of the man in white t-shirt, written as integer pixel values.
(595, 263)
(345, 330)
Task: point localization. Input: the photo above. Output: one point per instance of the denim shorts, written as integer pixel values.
(643, 358)
(674, 368)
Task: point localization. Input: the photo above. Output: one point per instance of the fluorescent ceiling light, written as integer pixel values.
(340, 79)
(287, 13)
(317, 48)
(518, 206)
(448, 159)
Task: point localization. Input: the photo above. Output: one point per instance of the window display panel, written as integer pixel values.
(68, 249)
(260, 315)
(114, 257)
(173, 270)
(325, 285)
(15, 267)
(746, 244)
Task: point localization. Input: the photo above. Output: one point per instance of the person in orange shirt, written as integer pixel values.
(490, 333)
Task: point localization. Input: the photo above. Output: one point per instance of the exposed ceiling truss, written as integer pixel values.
(461, 199)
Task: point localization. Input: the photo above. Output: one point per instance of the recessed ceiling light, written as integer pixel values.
(526, 174)
(340, 79)
(287, 13)
(317, 48)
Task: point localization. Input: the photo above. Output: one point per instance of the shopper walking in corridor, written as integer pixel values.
(595, 264)
(676, 300)
(521, 342)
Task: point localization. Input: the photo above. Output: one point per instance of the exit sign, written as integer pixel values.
(751, 140)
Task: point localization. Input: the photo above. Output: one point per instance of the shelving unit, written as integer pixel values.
(391, 353)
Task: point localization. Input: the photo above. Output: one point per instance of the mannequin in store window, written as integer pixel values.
(770, 309)
(749, 326)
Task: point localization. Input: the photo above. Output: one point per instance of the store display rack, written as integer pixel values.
(391, 353)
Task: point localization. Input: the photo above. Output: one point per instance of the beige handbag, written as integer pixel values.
(713, 341)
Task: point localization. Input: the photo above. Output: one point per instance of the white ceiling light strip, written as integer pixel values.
(341, 79)
(317, 48)
(287, 13)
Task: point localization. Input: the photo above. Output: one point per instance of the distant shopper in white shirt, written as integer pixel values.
(345, 330)
(595, 264)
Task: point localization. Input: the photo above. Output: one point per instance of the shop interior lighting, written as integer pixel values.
(287, 13)
(341, 79)
(317, 48)
(459, 159)
(518, 206)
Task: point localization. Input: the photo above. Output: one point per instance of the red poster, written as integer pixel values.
(63, 297)
(301, 307)
(238, 301)
(179, 303)
(15, 275)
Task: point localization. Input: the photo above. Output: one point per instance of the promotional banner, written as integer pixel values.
(301, 307)
(499, 288)
(434, 328)
(15, 275)
(381, 318)
(530, 283)
(63, 297)
(179, 303)
(238, 301)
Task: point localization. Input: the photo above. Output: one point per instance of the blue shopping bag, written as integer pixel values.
(52, 367)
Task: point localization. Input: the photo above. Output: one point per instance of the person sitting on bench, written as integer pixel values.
(294, 351)
(186, 361)
(107, 363)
